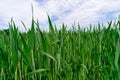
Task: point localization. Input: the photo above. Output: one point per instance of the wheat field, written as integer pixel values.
(75, 54)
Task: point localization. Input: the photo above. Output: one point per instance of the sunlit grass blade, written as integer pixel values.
(117, 54)
(36, 71)
(49, 56)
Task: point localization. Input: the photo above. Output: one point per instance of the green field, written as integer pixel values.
(75, 54)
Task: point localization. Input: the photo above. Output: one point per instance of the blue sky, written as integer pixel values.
(83, 12)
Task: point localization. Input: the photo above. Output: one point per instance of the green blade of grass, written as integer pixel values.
(49, 56)
(36, 71)
(50, 26)
(117, 54)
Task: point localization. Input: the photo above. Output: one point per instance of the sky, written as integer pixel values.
(68, 12)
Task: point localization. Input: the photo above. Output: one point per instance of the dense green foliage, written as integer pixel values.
(74, 54)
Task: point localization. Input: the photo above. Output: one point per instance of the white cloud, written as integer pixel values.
(20, 11)
(67, 11)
